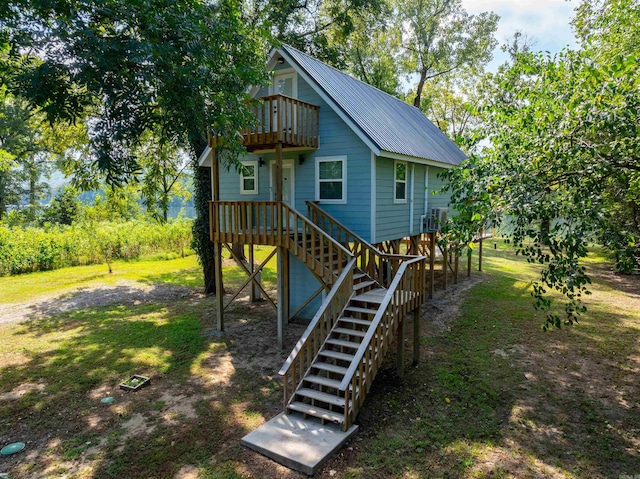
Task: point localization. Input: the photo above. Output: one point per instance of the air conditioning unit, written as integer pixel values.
(435, 220)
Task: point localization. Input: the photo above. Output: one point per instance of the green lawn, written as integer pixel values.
(493, 397)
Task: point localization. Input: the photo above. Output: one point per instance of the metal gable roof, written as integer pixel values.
(391, 124)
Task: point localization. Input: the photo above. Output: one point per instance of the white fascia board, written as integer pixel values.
(332, 104)
(374, 193)
(272, 61)
(415, 159)
(205, 158)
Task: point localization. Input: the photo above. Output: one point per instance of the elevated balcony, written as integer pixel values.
(285, 120)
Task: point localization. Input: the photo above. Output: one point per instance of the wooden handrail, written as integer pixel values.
(282, 119)
(307, 347)
(404, 295)
(390, 294)
(380, 266)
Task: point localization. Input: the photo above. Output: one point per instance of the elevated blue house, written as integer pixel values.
(336, 174)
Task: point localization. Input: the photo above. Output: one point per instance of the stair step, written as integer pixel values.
(357, 309)
(372, 296)
(350, 332)
(336, 355)
(343, 343)
(332, 368)
(323, 381)
(320, 396)
(362, 285)
(316, 412)
(362, 322)
(358, 276)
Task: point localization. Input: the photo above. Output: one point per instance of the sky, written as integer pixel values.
(546, 21)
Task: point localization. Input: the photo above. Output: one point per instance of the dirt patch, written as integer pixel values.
(440, 312)
(21, 390)
(123, 292)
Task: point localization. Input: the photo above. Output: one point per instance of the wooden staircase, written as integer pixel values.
(319, 394)
(331, 369)
(333, 365)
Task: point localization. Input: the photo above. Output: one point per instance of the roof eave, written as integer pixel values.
(327, 98)
(416, 159)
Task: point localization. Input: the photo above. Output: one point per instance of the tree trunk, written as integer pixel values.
(33, 183)
(3, 194)
(238, 250)
(423, 77)
(545, 227)
(202, 195)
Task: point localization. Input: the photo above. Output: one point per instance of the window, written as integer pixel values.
(400, 184)
(285, 82)
(331, 175)
(249, 178)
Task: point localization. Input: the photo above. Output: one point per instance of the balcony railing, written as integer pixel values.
(285, 120)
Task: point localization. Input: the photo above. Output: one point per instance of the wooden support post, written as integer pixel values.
(456, 260)
(400, 348)
(445, 266)
(414, 248)
(217, 247)
(278, 172)
(217, 264)
(469, 264)
(432, 264)
(416, 336)
(254, 294)
(283, 292)
(480, 252)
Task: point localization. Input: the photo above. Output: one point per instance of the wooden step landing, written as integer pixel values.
(300, 444)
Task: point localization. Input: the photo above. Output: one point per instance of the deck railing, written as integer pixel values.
(277, 224)
(281, 119)
(380, 266)
(404, 295)
(319, 328)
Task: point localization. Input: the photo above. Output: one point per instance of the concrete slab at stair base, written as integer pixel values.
(298, 443)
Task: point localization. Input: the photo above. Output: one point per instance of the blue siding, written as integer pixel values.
(437, 199)
(392, 219)
(418, 197)
(302, 285)
(336, 139)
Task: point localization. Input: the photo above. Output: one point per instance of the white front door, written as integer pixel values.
(288, 183)
(284, 84)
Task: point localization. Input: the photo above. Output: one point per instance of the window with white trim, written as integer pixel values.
(331, 179)
(249, 178)
(400, 183)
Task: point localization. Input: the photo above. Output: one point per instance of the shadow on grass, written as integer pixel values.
(494, 396)
(224, 384)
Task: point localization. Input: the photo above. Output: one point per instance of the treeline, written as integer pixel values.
(28, 249)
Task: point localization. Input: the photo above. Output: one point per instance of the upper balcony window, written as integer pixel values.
(285, 82)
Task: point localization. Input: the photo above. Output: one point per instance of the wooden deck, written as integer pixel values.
(282, 120)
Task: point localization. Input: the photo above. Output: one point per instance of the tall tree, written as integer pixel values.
(314, 25)
(163, 175)
(373, 51)
(180, 68)
(563, 138)
(439, 37)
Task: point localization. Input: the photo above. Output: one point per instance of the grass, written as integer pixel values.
(493, 397)
(176, 271)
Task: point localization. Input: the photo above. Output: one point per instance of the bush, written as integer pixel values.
(24, 250)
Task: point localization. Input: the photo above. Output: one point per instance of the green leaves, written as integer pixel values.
(559, 171)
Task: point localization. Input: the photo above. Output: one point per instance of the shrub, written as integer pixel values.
(28, 249)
